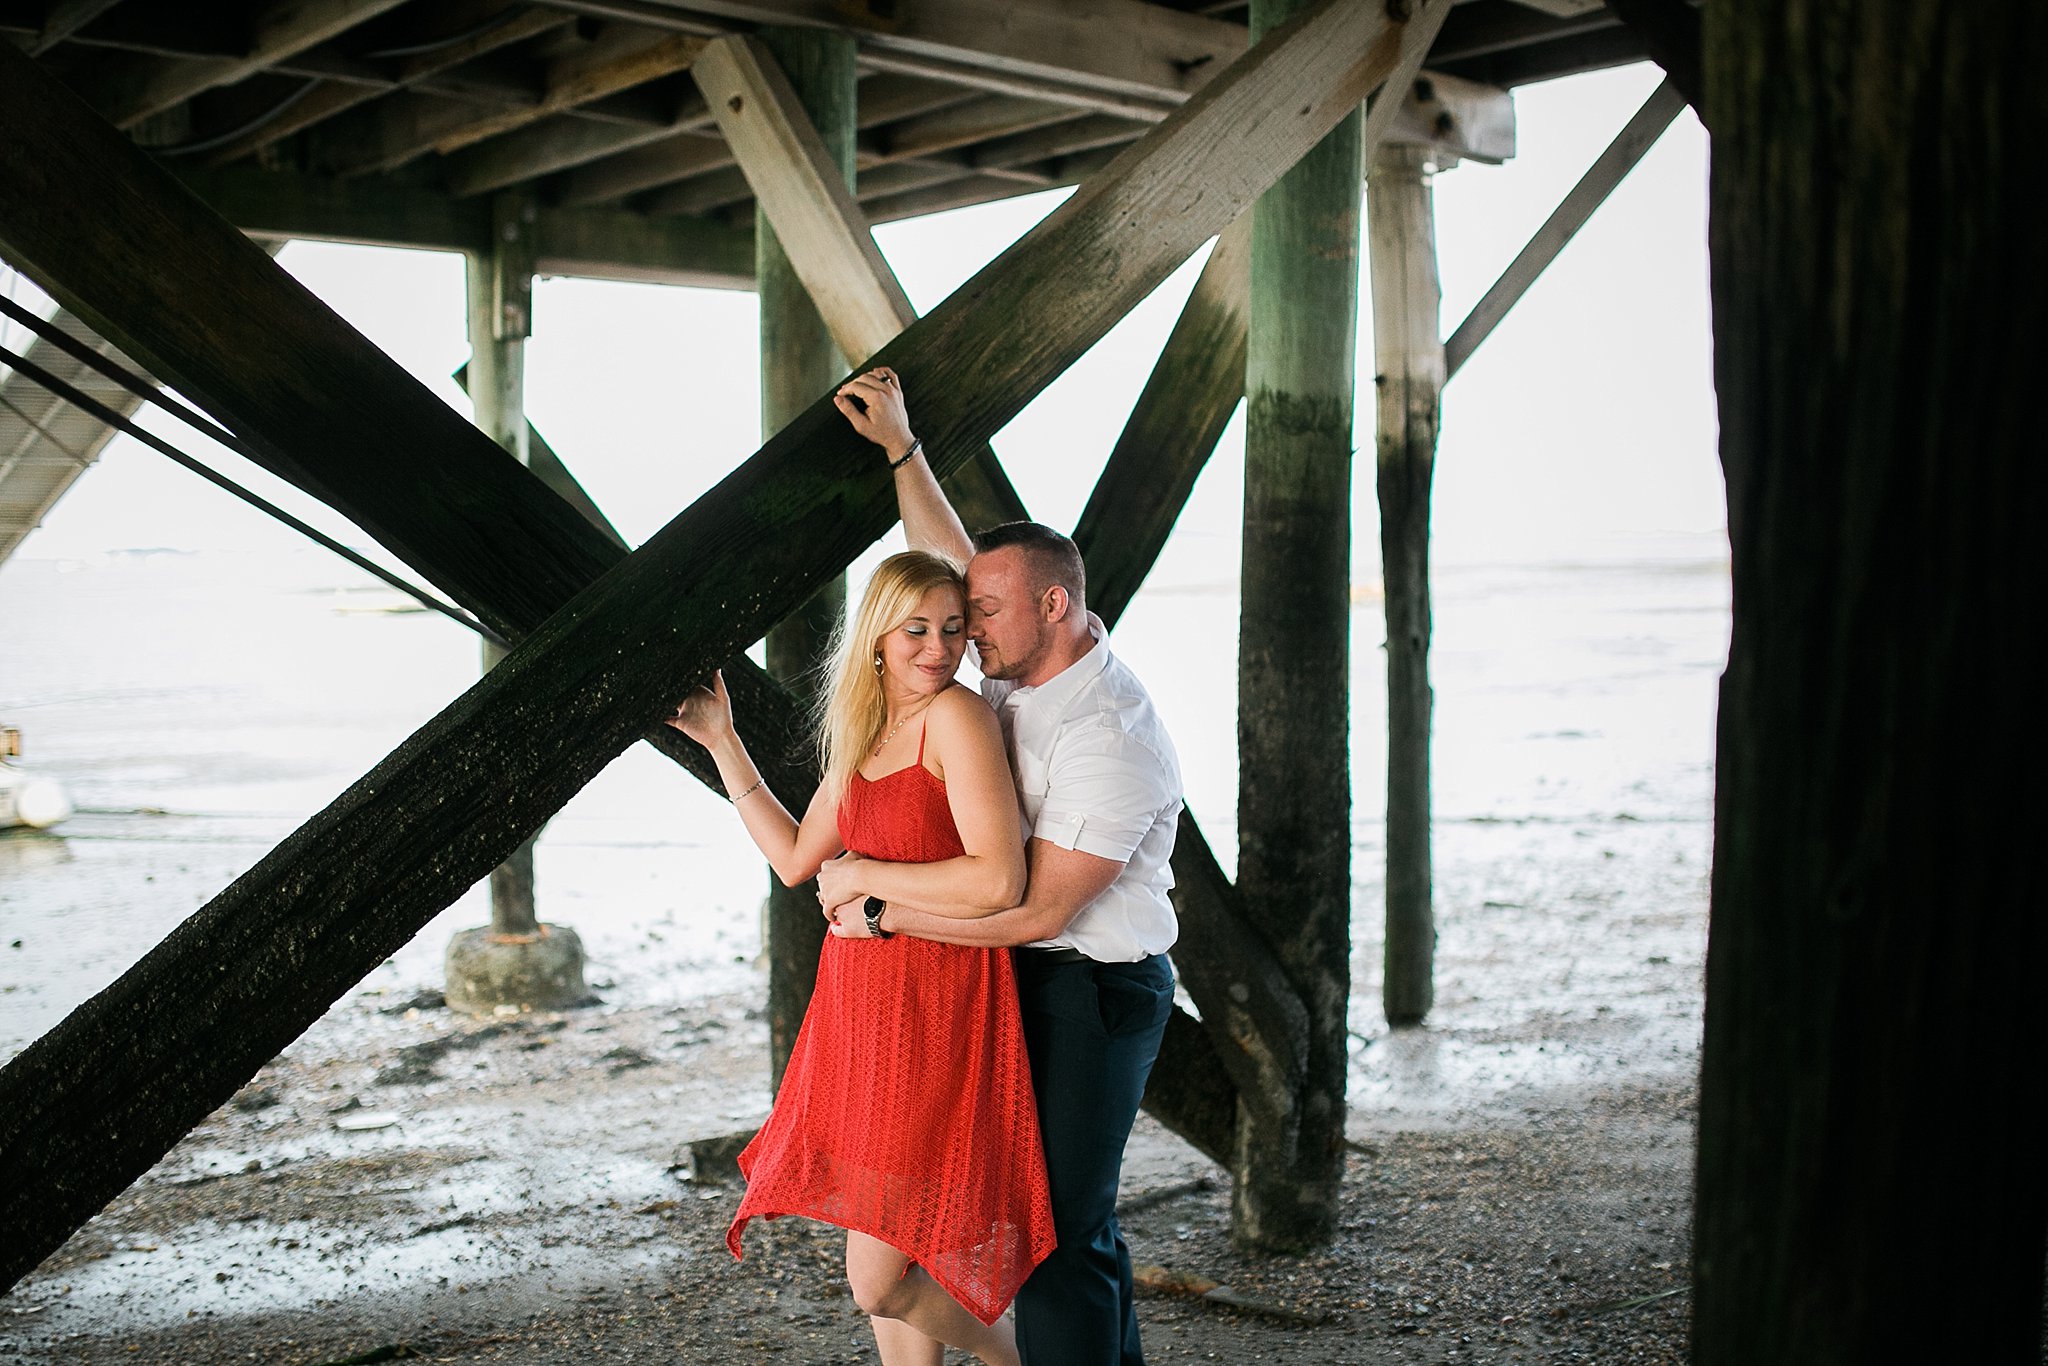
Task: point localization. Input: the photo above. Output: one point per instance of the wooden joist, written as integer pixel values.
(617, 59)
(1123, 47)
(394, 132)
(128, 92)
(598, 243)
(333, 97)
(562, 143)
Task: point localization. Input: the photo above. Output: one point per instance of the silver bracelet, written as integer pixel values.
(916, 445)
(759, 783)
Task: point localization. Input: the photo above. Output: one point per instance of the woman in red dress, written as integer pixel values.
(905, 1114)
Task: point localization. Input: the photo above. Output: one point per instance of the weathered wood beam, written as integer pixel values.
(1081, 99)
(1459, 120)
(617, 174)
(99, 1098)
(616, 60)
(973, 122)
(498, 294)
(561, 143)
(1122, 47)
(1294, 790)
(1182, 1092)
(129, 95)
(1084, 134)
(1608, 170)
(1187, 401)
(1600, 48)
(333, 97)
(1870, 1184)
(395, 132)
(1670, 32)
(820, 228)
(698, 196)
(799, 361)
(1562, 9)
(804, 194)
(1484, 27)
(592, 243)
(681, 156)
(900, 177)
(885, 98)
(1406, 295)
(953, 192)
(65, 18)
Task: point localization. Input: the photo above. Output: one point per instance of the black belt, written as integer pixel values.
(1058, 954)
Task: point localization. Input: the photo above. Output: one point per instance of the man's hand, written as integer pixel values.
(879, 415)
(839, 881)
(839, 912)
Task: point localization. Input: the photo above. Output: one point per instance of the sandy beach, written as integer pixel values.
(404, 1181)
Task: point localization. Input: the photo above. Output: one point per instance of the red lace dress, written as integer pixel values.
(906, 1110)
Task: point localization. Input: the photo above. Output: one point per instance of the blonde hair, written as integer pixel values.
(853, 710)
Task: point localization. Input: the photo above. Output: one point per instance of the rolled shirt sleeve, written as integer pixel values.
(1105, 793)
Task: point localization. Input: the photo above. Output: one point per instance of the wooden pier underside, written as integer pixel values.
(394, 121)
(1866, 1179)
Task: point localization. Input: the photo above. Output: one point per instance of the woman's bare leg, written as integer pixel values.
(902, 1345)
(914, 1301)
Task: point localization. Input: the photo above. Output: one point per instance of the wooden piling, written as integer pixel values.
(1870, 1180)
(799, 362)
(1294, 791)
(1405, 301)
(498, 285)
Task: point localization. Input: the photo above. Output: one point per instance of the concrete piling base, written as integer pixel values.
(543, 971)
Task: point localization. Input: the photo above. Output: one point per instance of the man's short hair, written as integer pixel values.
(1055, 559)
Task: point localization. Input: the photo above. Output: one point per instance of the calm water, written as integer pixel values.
(199, 707)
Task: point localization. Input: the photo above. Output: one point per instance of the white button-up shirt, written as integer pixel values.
(1096, 772)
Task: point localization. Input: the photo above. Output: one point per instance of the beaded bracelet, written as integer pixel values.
(759, 783)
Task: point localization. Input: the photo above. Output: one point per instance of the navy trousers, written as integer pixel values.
(1092, 1030)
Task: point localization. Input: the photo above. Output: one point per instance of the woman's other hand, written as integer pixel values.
(840, 880)
(880, 415)
(706, 714)
(846, 912)
(852, 923)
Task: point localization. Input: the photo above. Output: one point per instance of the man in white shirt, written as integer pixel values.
(1099, 785)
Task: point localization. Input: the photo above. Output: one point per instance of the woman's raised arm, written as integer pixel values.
(793, 849)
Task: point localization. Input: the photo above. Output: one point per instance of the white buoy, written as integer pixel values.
(26, 799)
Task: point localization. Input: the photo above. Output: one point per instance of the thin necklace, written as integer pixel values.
(876, 752)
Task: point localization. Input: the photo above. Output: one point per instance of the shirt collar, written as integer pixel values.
(1063, 687)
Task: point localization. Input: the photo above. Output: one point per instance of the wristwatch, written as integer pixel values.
(871, 911)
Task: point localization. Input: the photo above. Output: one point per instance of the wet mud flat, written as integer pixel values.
(407, 1183)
